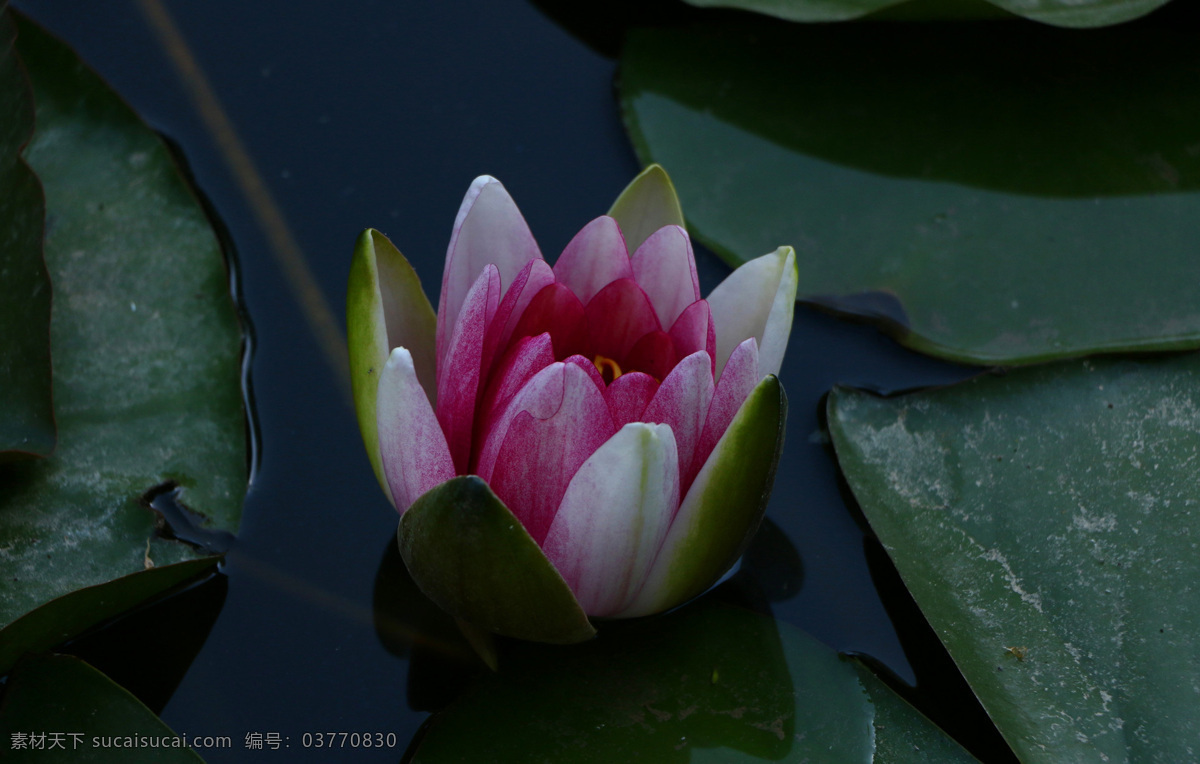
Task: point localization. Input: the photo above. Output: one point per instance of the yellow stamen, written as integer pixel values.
(606, 367)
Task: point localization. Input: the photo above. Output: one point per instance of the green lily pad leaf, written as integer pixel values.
(468, 553)
(72, 614)
(706, 683)
(1001, 210)
(59, 709)
(1046, 524)
(147, 367)
(26, 409)
(1065, 13)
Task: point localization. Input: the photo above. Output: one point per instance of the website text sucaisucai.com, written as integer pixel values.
(273, 741)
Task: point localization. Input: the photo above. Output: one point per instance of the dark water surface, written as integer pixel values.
(380, 113)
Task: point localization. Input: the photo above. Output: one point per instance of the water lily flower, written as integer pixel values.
(588, 439)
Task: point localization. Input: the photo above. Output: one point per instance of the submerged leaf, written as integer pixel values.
(706, 683)
(82, 715)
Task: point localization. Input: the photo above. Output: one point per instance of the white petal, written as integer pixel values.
(614, 517)
(412, 448)
(756, 300)
(488, 229)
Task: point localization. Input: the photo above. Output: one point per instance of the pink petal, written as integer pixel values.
(595, 258)
(412, 447)
(614, 517)
(551, 427)
(535, 276)
(628, 396)
(666, 268)
(682, 402)
(617, 317)
(653, 354)
(694, 330)
(740, 377)
(458, 377)
(541, 395)
(555, 310)
(589, 368)
(529, 356)
(488, 229)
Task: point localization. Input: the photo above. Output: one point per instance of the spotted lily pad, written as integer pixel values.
(1047, 524)
(147, 372)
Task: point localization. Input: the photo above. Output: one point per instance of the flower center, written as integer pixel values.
(608, 368)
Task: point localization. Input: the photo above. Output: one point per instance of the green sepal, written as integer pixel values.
(470, 554)
(724, 506)
(385, 308)
(647, 204)
(482, 642)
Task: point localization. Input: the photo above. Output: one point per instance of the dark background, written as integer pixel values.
(380, 113)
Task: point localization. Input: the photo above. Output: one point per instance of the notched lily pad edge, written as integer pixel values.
(73, 613)
(174, 520)
(867, 664)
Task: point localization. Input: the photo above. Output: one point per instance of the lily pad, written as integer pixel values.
(1047, 524)
(1065, 13)
(59, 709)
(1006, 209)
(706, 683)
(147, 367)
(26, 410)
